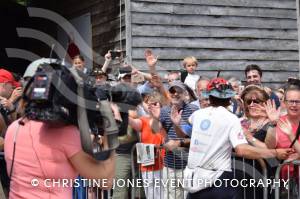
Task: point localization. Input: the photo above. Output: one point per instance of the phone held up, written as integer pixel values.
(117, 54)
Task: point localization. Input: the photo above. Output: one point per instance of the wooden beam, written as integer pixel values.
(128, 17)
(215, 43)
(224, 21)
(178, 53)
(188, 9)
(239, 3)
(214, 32)
(230, 65)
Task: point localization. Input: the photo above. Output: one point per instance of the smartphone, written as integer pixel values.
(115, 54)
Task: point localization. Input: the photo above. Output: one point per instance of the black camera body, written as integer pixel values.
(126, 97)
(45, 96)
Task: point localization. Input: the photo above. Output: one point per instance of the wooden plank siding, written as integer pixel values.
(223, 35)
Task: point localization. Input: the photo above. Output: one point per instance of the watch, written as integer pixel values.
(273, 124)
(253, 139)
(181, 143)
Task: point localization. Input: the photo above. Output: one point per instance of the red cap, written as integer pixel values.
(7, 77)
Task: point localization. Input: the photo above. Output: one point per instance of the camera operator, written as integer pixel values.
(44, 151)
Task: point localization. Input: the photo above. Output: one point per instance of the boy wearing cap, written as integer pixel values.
(215, 131)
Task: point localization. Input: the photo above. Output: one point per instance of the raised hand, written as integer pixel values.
(260, 108)
(150, 58)
(271, 111)
(175, 115)
(108, 56)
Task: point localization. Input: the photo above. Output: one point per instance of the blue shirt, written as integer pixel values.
(175, 159)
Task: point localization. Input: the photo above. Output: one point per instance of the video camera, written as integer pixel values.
(58, 95)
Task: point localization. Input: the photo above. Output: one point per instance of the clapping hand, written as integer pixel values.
(175, 115)
(154, 110)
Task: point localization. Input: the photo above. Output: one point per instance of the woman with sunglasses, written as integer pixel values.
(258, 125)
(261, 115)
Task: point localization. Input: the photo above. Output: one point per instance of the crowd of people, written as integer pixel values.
(193, 124)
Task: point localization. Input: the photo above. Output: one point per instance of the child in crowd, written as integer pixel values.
(189, 77)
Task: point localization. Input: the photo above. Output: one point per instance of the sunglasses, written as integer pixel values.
(254, 101)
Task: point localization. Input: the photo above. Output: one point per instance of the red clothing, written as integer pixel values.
(73, 50)
(283, 141)
(149, 137)
(41, 153)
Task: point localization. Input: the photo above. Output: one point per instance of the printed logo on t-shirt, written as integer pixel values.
(241, 136)
(205, 124)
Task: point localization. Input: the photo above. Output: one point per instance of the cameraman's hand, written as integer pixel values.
(116, 111)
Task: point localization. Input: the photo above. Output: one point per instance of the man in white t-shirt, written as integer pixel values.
(215, 132)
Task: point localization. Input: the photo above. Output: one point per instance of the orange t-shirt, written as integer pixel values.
(149, 137)
(283, 141)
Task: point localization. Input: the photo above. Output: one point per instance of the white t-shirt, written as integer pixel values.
(191, 80)
(215, 132)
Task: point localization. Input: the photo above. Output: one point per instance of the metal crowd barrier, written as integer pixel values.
(92, 193)
(255, 169)
(292, 190)
(180, 152)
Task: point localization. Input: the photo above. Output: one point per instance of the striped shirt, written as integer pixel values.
(178, 158)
